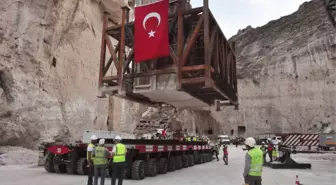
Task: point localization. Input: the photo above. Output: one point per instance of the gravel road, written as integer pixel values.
(212, 173)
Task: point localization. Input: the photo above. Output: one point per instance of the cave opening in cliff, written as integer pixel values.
(54, 62)
(6, 81)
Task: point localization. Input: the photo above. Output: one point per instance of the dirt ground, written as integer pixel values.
(323, 172)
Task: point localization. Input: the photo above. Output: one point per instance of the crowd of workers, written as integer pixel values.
(97, 157)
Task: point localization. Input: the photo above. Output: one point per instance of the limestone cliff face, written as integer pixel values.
(287, 79)
(49, 58)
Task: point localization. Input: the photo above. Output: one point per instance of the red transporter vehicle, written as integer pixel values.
(144, 157)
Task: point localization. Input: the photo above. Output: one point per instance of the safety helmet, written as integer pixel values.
(263, 143)
(101, 141)
(94, 137)
(250, 141)
(117, 138)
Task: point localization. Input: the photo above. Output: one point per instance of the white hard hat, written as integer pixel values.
(250, 141)
(263, 142)
(101, 141)
(94, 137)
(117, 138)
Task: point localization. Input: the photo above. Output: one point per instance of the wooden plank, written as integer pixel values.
(192, 40)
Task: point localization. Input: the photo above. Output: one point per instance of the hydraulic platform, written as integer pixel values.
(200, 70)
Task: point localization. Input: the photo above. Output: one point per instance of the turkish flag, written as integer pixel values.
(151, 31)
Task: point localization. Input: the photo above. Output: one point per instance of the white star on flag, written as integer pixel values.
(151, 34)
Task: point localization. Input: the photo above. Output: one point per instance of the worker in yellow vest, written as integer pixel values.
(119, 161)
(275, 154)
(89, 150)
(100, 154)
(188, 138)
(253, 163)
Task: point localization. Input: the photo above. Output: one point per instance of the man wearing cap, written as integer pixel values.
(89, 149)
(100, 154)
(119, 161)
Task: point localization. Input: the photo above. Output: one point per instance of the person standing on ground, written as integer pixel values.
(89, 149)
(253, 163)
(100, 154)
(119, 161)
(263, 148)
(225, 155)
(270, 150)
(217, 147)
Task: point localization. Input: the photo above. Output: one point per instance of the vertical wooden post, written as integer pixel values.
(122, 48)
(102, 51)
(180, 40)
(207, 43)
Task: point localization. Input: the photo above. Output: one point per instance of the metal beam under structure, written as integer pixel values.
(200, 71)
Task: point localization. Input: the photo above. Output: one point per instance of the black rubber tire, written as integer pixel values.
(210, 157)
(138, 170)
(127, 173)
(60, 168)
(151, 168)
(185, 162)
(171, 164)
(191, 160)
(70, 169)
(178, 163)
(205, 158)
(49, 165)
(196, 158)
(82, 169)
(163, 163)
(201, 159)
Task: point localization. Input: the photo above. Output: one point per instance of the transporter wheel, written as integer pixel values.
(178, 164)
(138, 170)
(49, 164)
(210, 157)
(196, 158)
(185, 162)
(151, 169)
(81, 166)
(171, 164)
(206, 158)
(70, 169)
(201, 158)
(127, 173)
(191, 160)
(163, 163)
(60, 168)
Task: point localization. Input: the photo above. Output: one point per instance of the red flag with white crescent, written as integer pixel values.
(151, 31)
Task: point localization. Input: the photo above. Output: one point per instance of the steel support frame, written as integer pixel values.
(219, 63)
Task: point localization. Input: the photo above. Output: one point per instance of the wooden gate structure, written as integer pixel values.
(200, 71)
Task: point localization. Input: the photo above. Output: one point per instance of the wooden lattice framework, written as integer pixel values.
(200, 55)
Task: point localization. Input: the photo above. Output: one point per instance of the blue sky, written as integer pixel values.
(233, 15)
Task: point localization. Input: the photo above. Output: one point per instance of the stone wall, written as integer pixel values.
(49, 59)
(287, 79)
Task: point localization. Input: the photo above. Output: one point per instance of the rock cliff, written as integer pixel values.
(287, 79)
(49, 56)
